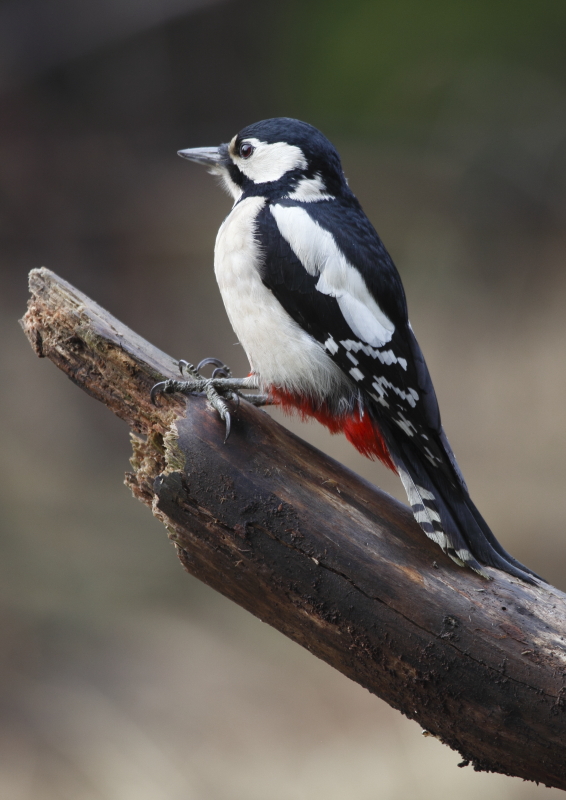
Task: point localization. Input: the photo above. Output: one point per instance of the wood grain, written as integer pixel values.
(323, 556)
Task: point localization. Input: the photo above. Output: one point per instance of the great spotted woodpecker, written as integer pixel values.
(320, 310)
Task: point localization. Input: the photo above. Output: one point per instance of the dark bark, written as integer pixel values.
(324, 557)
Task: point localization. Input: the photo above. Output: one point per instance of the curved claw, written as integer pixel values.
(228, 421)
(206, 361)
(158, 388)
(221, 372)
(218, 402)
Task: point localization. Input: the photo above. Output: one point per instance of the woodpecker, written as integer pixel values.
(320, 310)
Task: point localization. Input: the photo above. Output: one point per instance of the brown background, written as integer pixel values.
(120, 676)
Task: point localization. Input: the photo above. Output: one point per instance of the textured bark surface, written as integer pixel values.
(324, 557)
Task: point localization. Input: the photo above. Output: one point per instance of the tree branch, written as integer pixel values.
(324, 557)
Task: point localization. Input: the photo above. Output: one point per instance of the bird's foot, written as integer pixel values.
(219, 388)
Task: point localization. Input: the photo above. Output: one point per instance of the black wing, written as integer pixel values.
(393, 378)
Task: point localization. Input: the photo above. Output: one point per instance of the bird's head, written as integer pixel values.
(276, 157)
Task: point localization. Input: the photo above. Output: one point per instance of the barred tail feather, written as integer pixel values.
(437, 493)
(436, 520)
(445, 512)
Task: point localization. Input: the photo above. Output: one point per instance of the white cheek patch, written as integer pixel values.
(319, 254)
(269, 162)
(310, 190)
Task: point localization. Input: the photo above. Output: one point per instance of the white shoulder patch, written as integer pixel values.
(318, 252)
(269, 162)
(310, 190)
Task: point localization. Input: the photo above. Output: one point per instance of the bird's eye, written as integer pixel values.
(246, 150)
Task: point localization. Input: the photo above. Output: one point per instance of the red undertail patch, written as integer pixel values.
(359, 428)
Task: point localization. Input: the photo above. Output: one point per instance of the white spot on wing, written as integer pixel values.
(331, 345)
(379, 399)
(434, 460)
(318, 252)
(405, 425)
(356, 374)
(385, 356)
(381, 385)
(269, 162)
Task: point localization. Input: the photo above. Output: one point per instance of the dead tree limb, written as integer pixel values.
(324, 557)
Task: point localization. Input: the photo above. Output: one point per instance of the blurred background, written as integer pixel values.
(121, 677)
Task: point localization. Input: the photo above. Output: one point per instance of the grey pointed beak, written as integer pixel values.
(209, 156)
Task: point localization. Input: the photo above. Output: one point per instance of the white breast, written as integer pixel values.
(280, 352)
